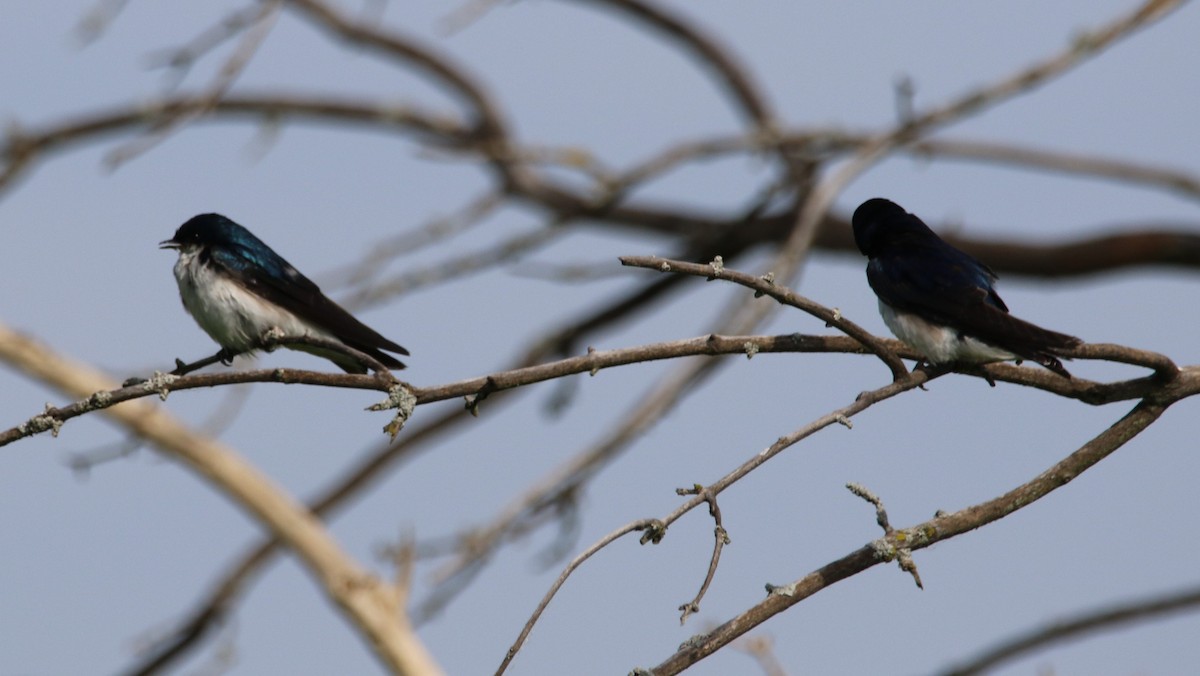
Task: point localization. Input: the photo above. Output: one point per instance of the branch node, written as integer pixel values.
(687, 610)
(718, 266)
(884, 550)
(270, 338)
(655, 530)
(751, 348)
(99, 400)
(40, 423)
(781, 590)
(844, 421)
(474, 400)
(404, 401)
(769, 279)
(161, 383)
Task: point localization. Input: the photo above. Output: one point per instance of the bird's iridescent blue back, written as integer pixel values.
(236, 248)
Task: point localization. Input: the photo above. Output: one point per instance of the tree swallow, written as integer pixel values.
(237, 288)
(940, 300)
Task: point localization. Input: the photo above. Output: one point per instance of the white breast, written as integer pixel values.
(939, 344)
(231, 315)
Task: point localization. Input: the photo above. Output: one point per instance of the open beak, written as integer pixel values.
(169, 244)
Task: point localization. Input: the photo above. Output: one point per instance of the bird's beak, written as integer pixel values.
(169, 244)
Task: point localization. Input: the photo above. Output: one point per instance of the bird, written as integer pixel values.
(237, 288)
(941, 301)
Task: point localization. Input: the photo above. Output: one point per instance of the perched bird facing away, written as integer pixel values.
(237, 288)
(941, 301)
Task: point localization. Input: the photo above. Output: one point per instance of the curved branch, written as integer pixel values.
(488, 120)
(737, 80)
(225, 592)
(1113, 617)
(562, 578)
(21, 147)
(1142, 244)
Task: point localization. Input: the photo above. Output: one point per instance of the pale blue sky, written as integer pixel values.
(93, 567)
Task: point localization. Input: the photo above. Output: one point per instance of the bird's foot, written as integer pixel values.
(924, 366)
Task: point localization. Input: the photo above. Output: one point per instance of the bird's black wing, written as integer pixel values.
(274, 279)
(949, 287)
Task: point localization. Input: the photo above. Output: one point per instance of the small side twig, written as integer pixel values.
(603, 542)
(765, 286)
(903, 555)
(721, 537)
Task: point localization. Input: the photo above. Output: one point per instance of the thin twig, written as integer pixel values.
(259, 22)
(720, 537)
(562, 578)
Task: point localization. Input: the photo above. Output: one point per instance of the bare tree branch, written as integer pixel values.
(940, 528)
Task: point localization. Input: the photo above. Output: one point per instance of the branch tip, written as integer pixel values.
(654, 529)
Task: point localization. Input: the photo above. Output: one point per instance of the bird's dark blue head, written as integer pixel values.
(208, 230)
(880, 223)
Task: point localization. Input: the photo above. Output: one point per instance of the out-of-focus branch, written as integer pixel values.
(736, 79)
(258, 26)
(1076, 164)
(361, 272)
(21, 148)
(1109, 618)
(814, 209)
(1134, 245)
(489, 122)
(224, 594)
(367, 602)
(455, 268)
